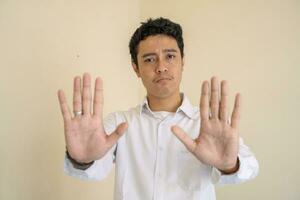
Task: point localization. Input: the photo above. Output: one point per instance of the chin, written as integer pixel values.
(162, 93)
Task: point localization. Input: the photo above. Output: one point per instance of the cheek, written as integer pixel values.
(147, 77)
(178, 76)
(177, 72)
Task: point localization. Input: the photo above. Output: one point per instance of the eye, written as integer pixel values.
(171, 56)
(149, 60)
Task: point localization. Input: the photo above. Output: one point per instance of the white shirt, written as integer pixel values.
(152, 164)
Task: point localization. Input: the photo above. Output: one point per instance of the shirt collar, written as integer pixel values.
(186, 107)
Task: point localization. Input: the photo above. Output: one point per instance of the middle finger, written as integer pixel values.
(214, 99)
(86, 94)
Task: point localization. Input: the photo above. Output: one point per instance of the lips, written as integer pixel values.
(162, 78)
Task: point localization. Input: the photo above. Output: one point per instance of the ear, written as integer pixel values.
(136, 69)
(182, 64)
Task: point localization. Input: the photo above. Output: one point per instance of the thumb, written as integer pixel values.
(184, 138)
(114, 136)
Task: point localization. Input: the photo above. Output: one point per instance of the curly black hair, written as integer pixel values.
(154, 27)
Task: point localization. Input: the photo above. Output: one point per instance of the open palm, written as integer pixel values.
(218, 141)
(85, 137)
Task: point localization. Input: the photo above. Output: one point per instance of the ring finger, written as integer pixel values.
(77, 104)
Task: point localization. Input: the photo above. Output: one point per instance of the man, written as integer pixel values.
(164, 148)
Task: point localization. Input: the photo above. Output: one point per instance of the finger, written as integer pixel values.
(77, 104)
(223, 103)
(214, 100)
(184, 138)
(86, 94)
(113, 137)
(64, 106)
(235, 118)
(204, 101)
(98, 97)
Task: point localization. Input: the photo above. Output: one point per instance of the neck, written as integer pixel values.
(170, 103)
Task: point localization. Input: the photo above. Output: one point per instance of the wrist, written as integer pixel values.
(78, 165)
(231, 170)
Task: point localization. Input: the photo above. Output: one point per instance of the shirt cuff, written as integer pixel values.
(97, 171)
(244, 173)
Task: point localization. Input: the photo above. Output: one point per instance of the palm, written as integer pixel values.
(85, 137)
(217, 143)
(82, 134)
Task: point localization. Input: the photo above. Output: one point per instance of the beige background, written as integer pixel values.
(255, 45)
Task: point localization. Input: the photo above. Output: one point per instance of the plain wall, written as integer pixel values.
(255, 45)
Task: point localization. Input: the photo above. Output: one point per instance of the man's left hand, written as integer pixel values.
(218, 141)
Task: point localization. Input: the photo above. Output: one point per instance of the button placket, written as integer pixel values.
(158, 171)
(158, 174)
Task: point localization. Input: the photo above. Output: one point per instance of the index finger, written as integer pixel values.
(204, 101)
(236, 113)
(98, 98)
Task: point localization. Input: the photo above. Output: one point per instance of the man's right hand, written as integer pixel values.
(85, 137)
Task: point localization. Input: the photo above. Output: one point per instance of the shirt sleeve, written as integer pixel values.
(100, 168)
(248, 168)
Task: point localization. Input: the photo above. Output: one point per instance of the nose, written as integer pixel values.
(161, 67)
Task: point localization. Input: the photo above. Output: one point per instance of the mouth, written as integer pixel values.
(161, 79)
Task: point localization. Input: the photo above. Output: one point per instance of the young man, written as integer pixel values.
(164, 148)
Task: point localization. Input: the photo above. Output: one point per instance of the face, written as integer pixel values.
(160, 65)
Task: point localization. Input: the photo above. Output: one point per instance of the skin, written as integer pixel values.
(85, 137)
(160, 67)
(159, 58)
(218, 141)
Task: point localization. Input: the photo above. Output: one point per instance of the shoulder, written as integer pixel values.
(122, 116)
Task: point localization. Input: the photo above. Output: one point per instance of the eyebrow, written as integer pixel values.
(153, 54)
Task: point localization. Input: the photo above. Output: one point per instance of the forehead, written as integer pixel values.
(157, 43)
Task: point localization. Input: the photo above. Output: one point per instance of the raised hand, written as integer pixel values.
(85, 137)
(218, 140)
